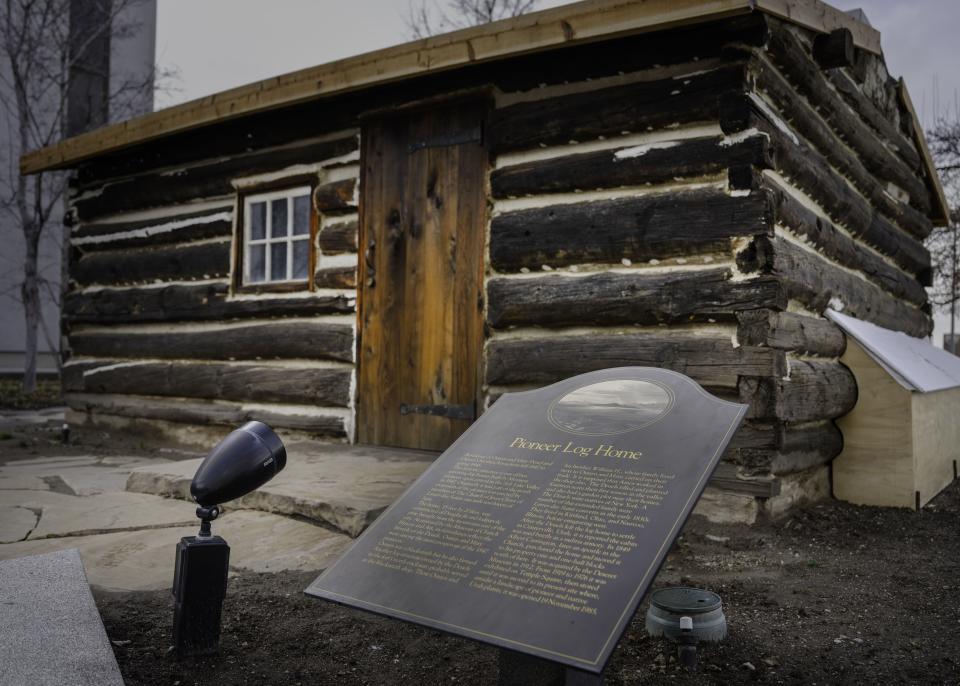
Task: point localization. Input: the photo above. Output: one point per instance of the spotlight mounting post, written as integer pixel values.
(242, 462)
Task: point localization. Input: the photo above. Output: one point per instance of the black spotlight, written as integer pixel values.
(242, 462)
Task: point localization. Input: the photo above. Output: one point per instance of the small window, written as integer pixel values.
(276, 237)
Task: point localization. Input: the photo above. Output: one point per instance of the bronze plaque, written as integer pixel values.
(541, 528)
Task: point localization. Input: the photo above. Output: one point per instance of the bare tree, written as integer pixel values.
(427, 18)
(944, 242)
(38, 55)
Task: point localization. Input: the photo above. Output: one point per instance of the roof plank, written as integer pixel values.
(577, 23)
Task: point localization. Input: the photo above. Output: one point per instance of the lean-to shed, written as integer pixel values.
(901, 441)
(374, 249)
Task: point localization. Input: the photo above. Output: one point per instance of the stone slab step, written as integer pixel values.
(144, 560)
(345, 486)
(56, 514)
(51, 632)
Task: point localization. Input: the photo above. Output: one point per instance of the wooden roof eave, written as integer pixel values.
(577, 23)
(940, 213)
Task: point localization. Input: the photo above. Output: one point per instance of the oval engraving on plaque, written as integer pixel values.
(610, 407)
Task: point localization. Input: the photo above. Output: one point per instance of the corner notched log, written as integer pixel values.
(711, 362)
(861, 104)
(294, 338)
(836, 245)
(795, 447)
(337, 196)
(815, 390)
(811, 173)
(818, 284)
(792, 57)
(336, 277)
(834, 49)
(636, 228)
(177, 302)
(790, 332)
(610, 298)
(338, 238)
(795, 110)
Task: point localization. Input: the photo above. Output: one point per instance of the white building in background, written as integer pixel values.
(126, 60)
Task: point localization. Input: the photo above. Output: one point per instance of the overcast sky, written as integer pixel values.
(218, 44)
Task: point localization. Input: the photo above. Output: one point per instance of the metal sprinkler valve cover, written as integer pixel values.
(704, 608)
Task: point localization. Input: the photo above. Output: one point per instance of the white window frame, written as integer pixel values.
(268, 241)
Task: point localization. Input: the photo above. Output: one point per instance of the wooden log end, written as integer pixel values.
(835, 49)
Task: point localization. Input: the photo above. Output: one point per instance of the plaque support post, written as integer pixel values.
(519, 669)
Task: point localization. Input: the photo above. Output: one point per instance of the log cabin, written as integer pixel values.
(373, 250)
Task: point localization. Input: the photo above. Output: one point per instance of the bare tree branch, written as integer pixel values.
(428, 17)
(38, 54)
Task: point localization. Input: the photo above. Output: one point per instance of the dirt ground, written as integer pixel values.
(834, 594)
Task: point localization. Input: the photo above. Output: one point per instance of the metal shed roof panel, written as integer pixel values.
(915, 363)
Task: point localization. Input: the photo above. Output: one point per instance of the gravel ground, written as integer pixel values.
(833, 594)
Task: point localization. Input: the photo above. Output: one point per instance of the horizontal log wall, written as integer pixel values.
(691, 199)
(152, 315)
(611, 243)
(155, 330)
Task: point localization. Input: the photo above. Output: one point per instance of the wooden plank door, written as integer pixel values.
(422, 231)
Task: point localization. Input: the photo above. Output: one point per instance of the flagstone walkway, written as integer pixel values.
(125, 513)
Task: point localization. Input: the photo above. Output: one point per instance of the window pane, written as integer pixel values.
(278, 261)
(301, 259)
(257, 263)
(258, 220)
(301, 215)
(278, 218)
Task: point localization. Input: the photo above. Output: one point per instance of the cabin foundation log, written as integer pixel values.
(324, 386)
(199, 412)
